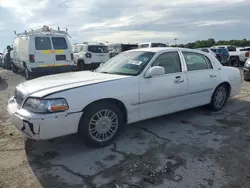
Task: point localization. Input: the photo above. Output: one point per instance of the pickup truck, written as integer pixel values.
(236, 56)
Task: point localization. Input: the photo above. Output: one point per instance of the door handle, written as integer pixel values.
(212, 75)
(178, 79)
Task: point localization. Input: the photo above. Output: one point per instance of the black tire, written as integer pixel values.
(234, 61)
(247, 80)
(213, 105)
(90, 113)
(81, 65)
(14, 68)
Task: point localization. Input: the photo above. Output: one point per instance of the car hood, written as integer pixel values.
(64, 81)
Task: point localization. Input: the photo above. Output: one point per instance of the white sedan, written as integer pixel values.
(133, 86)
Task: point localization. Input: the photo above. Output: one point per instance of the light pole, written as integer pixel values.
(175, 41)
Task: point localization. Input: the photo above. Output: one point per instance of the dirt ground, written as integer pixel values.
(195, 148)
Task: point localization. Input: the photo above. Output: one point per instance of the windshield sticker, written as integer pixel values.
(133, 62)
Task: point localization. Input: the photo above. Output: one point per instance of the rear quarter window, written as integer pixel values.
(42, 43)
(59, 43)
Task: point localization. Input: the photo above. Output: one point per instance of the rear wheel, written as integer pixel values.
(219, 97)
(234, 62)
(81, 65)
(101, 124)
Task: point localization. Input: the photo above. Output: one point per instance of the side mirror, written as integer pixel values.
(101, 64)
(154, 71)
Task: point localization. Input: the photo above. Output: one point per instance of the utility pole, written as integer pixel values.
(175, 41)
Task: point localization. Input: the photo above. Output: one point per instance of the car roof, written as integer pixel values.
(165, 49)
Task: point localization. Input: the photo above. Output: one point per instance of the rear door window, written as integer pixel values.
(43, 43)
(59, 43)
(98, 49)
(195, 61)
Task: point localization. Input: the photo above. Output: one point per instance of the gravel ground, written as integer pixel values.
(195, 148)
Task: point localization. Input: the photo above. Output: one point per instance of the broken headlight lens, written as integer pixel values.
(37, 105)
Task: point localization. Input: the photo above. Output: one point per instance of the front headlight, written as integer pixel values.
(247, 63)
(45, 105)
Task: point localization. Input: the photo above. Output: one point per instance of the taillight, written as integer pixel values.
(32, 58)
(72, 57)
(88, 55)
(247, 54)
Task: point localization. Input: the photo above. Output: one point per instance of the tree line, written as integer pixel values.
(211, 42)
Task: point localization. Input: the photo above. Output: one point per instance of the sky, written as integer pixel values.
(129, 21)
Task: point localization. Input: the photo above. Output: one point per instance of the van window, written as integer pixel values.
(42, 43)
(59, 43)
(98, 49)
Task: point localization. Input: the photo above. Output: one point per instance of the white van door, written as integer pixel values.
(43, 55)
(63, 55)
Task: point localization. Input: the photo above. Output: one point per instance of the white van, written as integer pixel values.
(152, 45)
(42, 50)
(90, 55)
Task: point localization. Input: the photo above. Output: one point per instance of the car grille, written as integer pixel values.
(19, 96)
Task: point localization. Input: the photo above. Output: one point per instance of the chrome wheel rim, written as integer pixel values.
(220, 97)
(103, 125)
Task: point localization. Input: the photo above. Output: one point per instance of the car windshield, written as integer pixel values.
(127, 63)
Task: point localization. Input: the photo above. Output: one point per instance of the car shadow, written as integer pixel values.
(55, 161)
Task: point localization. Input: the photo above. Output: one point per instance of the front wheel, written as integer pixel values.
(219, 97)
(101, 124)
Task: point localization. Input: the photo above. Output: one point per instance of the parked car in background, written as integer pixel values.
(42, 50)
(222, 55)
(243, 49)
(133, 86)
(89, 55)
(117, 48)
(207, 50)
(236, 58)
(246, 70)
(152, 45)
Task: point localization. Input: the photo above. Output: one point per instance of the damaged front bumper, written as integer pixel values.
(43, 126)
(24, 124)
